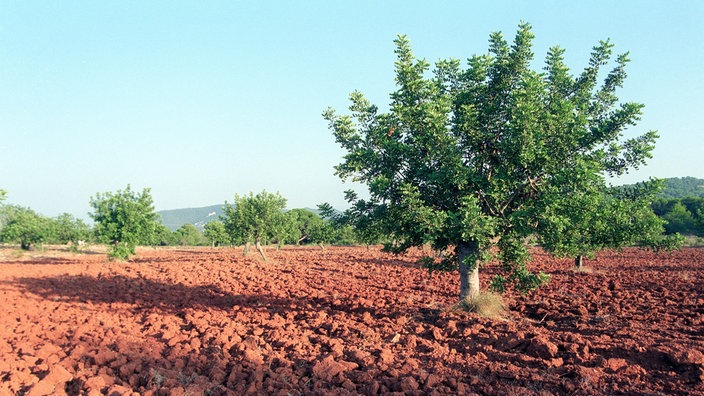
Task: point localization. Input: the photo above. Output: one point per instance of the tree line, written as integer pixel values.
(125, 219)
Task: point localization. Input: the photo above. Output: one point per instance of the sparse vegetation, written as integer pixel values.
(486, 303)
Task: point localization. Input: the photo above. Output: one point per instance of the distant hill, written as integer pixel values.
(680, 187)
(683, 187)
(173, 219)
(199, 217)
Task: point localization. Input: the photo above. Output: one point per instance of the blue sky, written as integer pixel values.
(202, 100)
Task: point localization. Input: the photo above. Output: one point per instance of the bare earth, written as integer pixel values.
(342, 321)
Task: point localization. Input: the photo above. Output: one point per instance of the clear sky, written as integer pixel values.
(201, 100)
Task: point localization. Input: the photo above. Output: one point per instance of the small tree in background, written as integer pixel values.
(322, 233)
(284, 231)
(24, 226)
(679, 219)
(188, 235)
(254, 218)
(123, 220)
(162, 236)
(469, 158)
(303, 222)
(215, 232)
(594, 219)
(71, 230)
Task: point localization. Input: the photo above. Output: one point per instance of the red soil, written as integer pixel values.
(343, 321)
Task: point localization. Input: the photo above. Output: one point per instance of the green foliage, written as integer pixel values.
(679, 219)
(322, 233)
(684, 187)
(683, 216)
(163, 236)
(124, 219)
(284, 231)
(345, 235)
(24, 226)
(303, 221)
(354, 222)
(254, 218)
(469, 158)
(68, 229)
(589, 220)
(215, 232)
(188, 235)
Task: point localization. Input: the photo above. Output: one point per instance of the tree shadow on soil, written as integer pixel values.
(145, 293)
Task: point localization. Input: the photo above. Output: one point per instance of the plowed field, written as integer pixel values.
(343, 321)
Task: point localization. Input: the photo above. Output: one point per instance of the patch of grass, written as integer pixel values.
(487, 304)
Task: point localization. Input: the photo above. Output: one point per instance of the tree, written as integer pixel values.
(366, 229)
(322, 233)
(188, 235)
(254, 218)
(303, 222)
(468, 158)
(124, 219)
(69, 229)
(596, 219)
(285, 230)
(24, 226)
(215, 232)
(679, 219)
(163, 236)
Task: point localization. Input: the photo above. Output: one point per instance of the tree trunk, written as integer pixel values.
(578, 262)
(25, 245)
(469, 277)
(260, 249)
(246, 248)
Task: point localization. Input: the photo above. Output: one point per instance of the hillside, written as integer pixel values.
(683, 187)
(680, 187)
(175, 218)
(199, 217)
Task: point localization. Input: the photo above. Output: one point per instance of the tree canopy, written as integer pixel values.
(473, 157)
(188, 235)
(215, 232)
(24, 226)
(683, 187)
(124, 219)
(254, 218)
(592, 220)
(68, 229)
